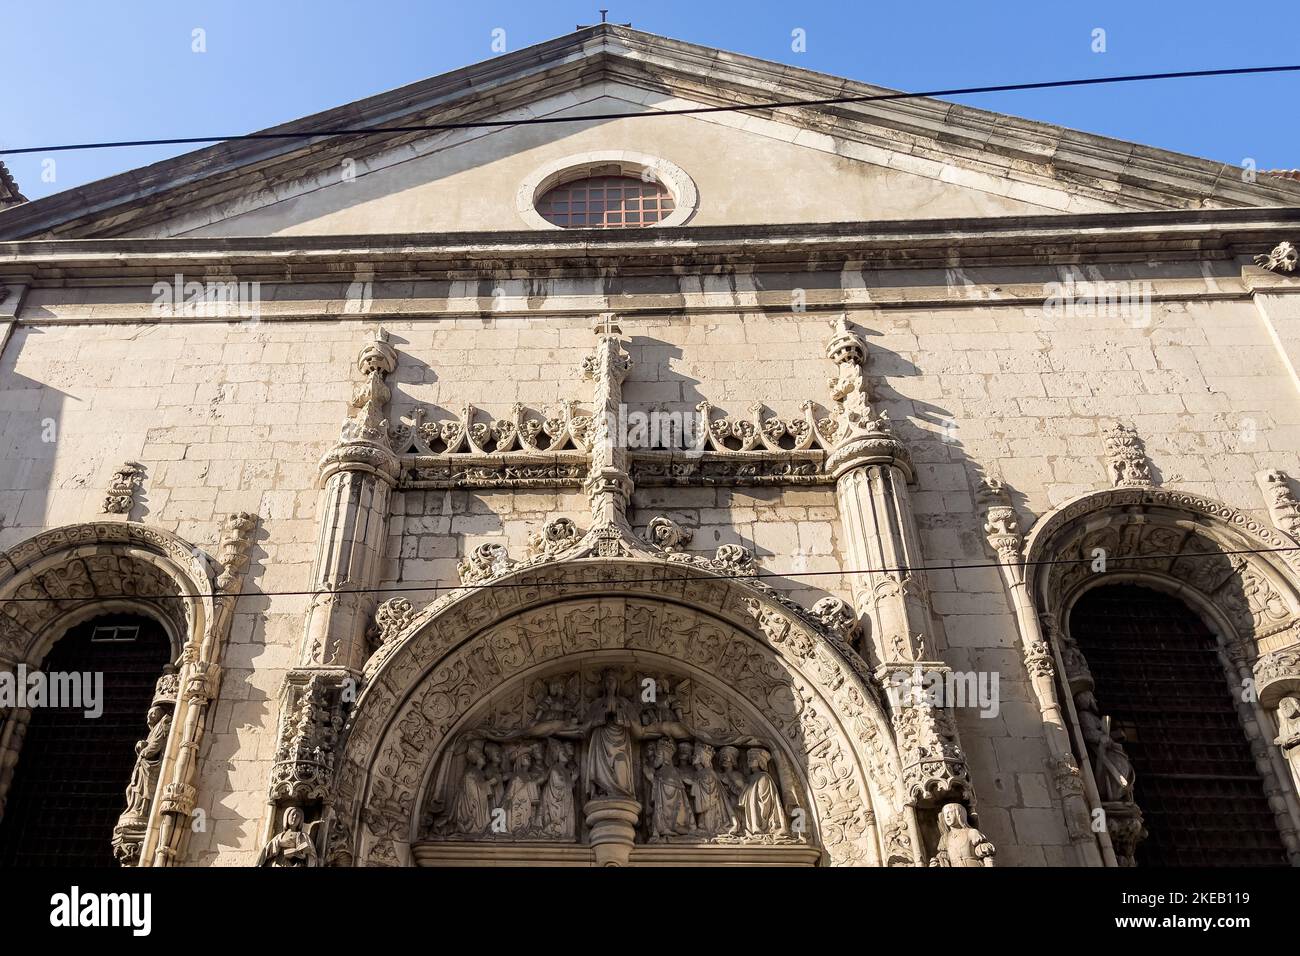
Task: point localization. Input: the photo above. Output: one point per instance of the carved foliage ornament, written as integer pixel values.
(1281, 259)
(122, 489)
(1127, 457)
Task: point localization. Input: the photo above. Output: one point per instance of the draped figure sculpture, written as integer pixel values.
(613, 723)
(148, 758)
(291, 847)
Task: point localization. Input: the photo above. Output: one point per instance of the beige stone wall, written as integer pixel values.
(234, 416)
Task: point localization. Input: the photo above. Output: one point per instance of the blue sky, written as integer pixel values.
(86, 70)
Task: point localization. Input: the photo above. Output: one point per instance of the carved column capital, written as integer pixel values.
(1277, 674)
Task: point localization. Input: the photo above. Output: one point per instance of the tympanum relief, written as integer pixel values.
(525, 771)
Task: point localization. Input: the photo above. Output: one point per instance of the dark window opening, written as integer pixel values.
(69, 786)
(1160, 678)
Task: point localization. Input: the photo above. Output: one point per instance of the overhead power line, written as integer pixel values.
(757, 575)
(687, 111)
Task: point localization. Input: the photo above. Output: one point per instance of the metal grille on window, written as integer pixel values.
(606, 202)
(1159, 676)
(70, 781)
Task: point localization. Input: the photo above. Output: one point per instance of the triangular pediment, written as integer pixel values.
(883, 160)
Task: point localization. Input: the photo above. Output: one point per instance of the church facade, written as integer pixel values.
(879, 483)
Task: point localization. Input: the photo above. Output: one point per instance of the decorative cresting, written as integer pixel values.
(61, 577)
(357, 478)
(1238, 573)
(557, 448)
(1005, 540)
(872, 468)
(765, 676)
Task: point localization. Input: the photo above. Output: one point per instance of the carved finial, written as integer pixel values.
(233, 551)
(1129, 465)
(608, 486)
(121, 490)
(1281, 259)
(376, 361)
(861, 434)
(1283, 505)
(1001, 523)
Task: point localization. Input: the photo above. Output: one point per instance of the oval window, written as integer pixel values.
(606, 201)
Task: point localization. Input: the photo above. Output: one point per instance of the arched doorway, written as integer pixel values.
(765, 681)
(1160, 678)
(68, 788)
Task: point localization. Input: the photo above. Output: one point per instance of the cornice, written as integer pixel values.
(912, 244)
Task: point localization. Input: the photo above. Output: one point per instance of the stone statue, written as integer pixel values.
(291, 846)
(523, 793)
(148, 758)
(470, 811)
(1288, 732)
(1111, 766)
(713, 814)
(733, 781)
(494, 773)
(760, 804)
(554, 711)
(960, 844)
(612, 724)
(555, 815)
(668, 808)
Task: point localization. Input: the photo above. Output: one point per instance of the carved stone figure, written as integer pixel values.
(291, 846)
(470, 810)
(1111, 766)
(960, 844)
(733, 781)
(148, 758)
(760, 803)
(667, 808)
(713, 813)
(523, 791)
(611, 722)
(1288, 732)
(554, 711)
(555, 816)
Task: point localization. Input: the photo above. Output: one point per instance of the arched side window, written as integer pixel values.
(1172, 620)
(1161, 682)
(68, 788)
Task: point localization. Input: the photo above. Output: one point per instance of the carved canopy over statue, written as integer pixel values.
(522, 771)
